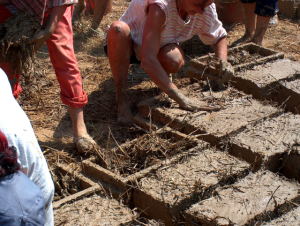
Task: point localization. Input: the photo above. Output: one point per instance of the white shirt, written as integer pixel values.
(16, 126)
(175, 30)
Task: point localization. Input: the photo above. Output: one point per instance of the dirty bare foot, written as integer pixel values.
(257, 41)
(124, 114)
(242, 40)
(85, 143)
(190, 104)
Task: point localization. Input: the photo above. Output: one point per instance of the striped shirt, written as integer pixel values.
(175, 30)
(36, 8)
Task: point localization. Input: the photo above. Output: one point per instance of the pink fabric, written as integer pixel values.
(61, 51)
(175, 30)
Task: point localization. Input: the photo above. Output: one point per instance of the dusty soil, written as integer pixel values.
(51, 121)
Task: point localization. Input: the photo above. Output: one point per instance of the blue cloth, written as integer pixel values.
(267, 8)
(21, 201)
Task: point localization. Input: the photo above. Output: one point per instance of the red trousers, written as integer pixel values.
(61, 51)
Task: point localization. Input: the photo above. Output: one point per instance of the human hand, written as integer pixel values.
(40, 38)
(226, 72)
(193, 105)
(190, 104)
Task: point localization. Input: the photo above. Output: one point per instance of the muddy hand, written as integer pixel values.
(193, 105)
(226, 71)
(190, 104)
(40, 38)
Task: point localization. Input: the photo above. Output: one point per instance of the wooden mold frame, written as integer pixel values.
(121, 187)
(88, 187)
(200, 71)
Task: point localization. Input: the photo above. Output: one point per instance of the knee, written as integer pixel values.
(171, 59)
(118, 29)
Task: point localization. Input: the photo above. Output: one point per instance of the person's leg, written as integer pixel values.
(250, 20)
(261, 28)
(265, 9)
(100, 7)
(119, 50)
(61, 51)
(171, 58)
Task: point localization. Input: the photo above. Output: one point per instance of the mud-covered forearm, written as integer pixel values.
(55, 15)
(189, 104)
(220, 49)
(178, 96)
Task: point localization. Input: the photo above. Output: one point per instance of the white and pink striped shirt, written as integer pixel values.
(175, 30)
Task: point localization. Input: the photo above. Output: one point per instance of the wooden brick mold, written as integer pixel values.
(272, 142)
(174, 187)
(117, 182)
(290, 218)
(85, 186)
(256, 198)
(278, 81)
(239, 110)
(201, 67)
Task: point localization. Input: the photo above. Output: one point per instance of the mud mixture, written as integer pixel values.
(143, 152)
(14, 35)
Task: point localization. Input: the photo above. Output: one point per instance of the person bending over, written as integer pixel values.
(149, 33)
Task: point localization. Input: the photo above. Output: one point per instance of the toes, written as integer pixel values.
(85, 143)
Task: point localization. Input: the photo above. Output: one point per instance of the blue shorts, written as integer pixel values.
(266, 8)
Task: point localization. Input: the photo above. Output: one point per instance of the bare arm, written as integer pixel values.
(150, 63)
(53, 19)
(220, 49)
(150, 48)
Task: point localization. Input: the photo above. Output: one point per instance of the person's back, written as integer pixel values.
(21, 200)
(16, 126)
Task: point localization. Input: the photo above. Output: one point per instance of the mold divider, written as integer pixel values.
(88, 186)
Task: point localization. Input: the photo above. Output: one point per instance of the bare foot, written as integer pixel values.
(85, 143)
(257, 42)
(242, 40)
(125, 114)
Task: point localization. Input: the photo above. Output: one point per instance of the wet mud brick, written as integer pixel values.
(257, 197)
(241, 57)
(275, 81)
(94, 210)
(239, 111)
(270, 142)
(175, 187)
(290, 218)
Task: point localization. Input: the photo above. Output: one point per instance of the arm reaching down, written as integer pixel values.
(53, 18)
(155, 61)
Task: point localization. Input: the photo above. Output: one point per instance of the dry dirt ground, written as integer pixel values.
(50, 119)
